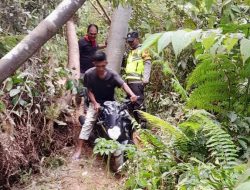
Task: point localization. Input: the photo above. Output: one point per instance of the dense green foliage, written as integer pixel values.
(166, 162)
(209, 69)
(19, 17)
(198, 97)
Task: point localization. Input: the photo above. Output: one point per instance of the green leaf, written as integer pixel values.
(166, 68)
(232, 28)
(243, 144)
(235, 9)
(208, 4)
(247, 2)
(244, 177)
(181, 39)
(9, 84)
(14, 101)
(17, 80)
(189, 23)
(244, 49)
(225, 3)
(14, 92)
(22, 102)
(150, 40)
(230, 43)
(69, 84)
(101, 152)
(217, 47)
(179, 89)
(2, 106)
(167, 127)
(164, 41)
(209, 41)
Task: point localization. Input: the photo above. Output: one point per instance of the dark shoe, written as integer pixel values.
(81, 119)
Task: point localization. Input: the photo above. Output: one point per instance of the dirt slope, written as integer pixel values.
(88, 173)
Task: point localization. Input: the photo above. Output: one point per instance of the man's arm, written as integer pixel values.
(102, 46)
(126, 88)
(147, 70)
(120, 83)
(147, 66)
(93, 100)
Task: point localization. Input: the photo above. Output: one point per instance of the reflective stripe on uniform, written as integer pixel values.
(135, 65)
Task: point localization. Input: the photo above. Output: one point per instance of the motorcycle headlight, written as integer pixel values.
(114, 132)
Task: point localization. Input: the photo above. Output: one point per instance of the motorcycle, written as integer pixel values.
(113, 122)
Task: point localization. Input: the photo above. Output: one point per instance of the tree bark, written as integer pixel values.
(73, 50)
(117, 34)
(38, 37)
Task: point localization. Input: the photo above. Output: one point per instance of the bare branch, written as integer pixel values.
(100, 5)
(108, 22)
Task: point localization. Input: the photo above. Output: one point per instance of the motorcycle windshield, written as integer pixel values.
(116, 121)
(111, 113)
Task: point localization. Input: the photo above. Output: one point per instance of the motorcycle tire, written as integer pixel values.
(117, 162)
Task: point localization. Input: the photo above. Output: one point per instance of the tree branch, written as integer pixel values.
(100, 5)
(38, 37)
(108, 22)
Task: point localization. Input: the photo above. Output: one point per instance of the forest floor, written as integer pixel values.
(88, 173)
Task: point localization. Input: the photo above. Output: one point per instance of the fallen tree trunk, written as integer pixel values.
(117, 34)
(73, 50)
(38, 37)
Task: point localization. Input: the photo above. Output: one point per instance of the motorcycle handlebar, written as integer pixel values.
(124, 104)
(129, 101)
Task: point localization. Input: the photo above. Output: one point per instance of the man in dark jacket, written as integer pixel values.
(88, 46)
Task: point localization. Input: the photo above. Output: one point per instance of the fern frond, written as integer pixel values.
(148, 138)
(210, 69)
(179, 137)
(201, 70)
(209, 96)
(216, 83)
(190, 128)
(219, 143)
(178, 88)
(200, 78)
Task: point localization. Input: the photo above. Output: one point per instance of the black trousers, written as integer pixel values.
(138, 89)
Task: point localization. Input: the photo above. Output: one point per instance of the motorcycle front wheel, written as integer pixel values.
(117, 160)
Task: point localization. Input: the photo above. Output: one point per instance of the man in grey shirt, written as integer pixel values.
(101, 83)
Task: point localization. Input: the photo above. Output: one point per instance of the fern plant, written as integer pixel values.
(167, 160)
(180, 140)
(219, 144)
(214, 84)
(220, 82)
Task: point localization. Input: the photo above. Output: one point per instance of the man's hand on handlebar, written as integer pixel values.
(97, 106)
(133, 98)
